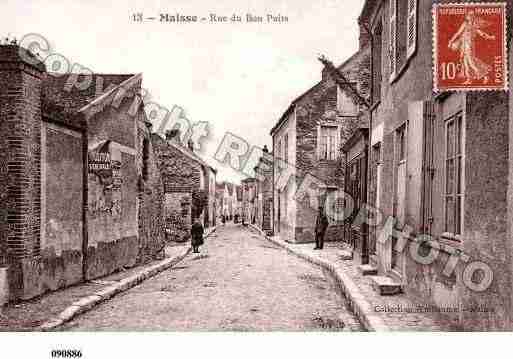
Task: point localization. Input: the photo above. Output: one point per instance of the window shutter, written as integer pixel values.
(411, 41)
(393, 38)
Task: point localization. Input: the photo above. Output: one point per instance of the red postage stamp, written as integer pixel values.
(469, 47)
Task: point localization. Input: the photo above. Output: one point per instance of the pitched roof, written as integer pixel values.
(183, 150)
(295, 101)
(367, 9)
(61, 100)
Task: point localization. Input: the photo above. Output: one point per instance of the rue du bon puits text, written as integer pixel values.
(178, 18)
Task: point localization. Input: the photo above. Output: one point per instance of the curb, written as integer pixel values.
(357, 302)
(89, 302)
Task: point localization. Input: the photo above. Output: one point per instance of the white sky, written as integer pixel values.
(238, 77)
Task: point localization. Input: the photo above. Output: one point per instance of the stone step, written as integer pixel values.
(367, 269)
(385, 285)
(345, 254)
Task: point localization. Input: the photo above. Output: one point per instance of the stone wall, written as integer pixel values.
(62, 186)
(180, 176)
(485, 208)
(112, 218)
(20, 124)
(151, 200)
(44, 242)
(510, 153)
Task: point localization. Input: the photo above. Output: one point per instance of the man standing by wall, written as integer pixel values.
(321, 224)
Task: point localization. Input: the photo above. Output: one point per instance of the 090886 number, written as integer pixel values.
(66, 353)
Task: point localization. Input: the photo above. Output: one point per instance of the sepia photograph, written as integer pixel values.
(307, 168)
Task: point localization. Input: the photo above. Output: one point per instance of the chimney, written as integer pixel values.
(173, 136)
(364, 37)
(324, 73)
(190, 145)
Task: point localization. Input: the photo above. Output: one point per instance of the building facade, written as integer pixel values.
(307, 162)
(264, 192)
(227, 198)
(187, 181)
(249, 200)
(438, 165)
(80, 196)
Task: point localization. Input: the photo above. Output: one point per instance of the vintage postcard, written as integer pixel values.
(240, 166)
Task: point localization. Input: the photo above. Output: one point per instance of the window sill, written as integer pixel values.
(446, 242)
(451, 237)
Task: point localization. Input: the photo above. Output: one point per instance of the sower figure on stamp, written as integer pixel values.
(464, 41)
(196, 235)
(321, 224)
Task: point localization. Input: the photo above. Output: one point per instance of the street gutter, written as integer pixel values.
(360, 306)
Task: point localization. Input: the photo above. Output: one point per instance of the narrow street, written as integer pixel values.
(239, 282)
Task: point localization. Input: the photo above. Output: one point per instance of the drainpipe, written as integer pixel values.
(85, 199)
(365, 256)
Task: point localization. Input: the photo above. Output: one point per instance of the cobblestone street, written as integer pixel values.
(238, 282)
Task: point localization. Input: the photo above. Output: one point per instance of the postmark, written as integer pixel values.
(469, 47)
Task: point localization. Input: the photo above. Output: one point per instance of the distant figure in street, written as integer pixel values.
(223, 219)
(196, 235)
(321, 224)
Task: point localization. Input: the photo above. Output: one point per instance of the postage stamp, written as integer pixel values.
(469, 47)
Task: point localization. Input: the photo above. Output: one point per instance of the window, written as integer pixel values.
(401, 143)
(278, 150)
(403, 34)
(376, 62)
(411, 43)
(453, 174)
(393, 38)
(328, 143)
(286, 147)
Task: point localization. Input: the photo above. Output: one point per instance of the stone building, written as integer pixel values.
(220, 198)
(439, 165)
(231, 199)
(226, 194)
(306, 142)
(80, 197)
(189, 186)
(249, 200)
(238, 201)
(264, 192)
(211, 218)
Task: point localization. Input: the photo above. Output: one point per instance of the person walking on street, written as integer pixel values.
(196, 235)
(321, 224)
(223, 219)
